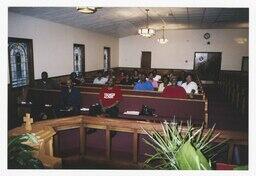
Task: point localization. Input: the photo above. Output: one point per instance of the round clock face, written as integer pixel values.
(207, 35)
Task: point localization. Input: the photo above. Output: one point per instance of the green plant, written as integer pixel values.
(179, 149)
(20, 155)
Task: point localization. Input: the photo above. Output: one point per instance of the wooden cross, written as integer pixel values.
(28, 122)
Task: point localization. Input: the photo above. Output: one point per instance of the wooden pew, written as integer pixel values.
(96, 89)
(182, 109)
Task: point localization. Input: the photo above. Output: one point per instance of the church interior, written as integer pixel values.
(128, 88)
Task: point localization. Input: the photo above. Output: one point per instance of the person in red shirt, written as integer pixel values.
(174, 91)
(109, 98)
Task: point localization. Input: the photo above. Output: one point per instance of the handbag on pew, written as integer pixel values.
(147, 111)
(95, 110)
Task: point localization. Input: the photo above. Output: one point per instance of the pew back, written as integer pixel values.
(182, 109)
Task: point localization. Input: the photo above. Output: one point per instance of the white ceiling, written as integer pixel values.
(124, 21)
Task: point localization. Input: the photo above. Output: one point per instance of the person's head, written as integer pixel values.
(154, 72)
(189, 78)
(142, 77)
(44, 75)
(151, 76)
(73, 76)
(110, 71)
(136, 72)
(170, 74)
(100, 75)
(105, 74)
(122, 73)
(166, 80)
(111, 82)
(69, 83)
(174, 80)
(127, 76)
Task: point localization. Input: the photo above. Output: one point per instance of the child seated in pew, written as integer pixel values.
(143, 84)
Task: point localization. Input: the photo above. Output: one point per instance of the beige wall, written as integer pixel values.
(53, 44)
(181, 47)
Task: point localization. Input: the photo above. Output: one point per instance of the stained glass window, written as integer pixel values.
(106, 53)
(78, 58)
(18, 63)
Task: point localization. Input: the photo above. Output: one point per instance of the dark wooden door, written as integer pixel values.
(207, 65)
(145, 59)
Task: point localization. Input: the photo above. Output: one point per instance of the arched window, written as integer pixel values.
(20, 56)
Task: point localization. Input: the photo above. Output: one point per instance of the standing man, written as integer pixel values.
(109, 98)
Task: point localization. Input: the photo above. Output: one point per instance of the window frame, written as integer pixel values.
(30, 59)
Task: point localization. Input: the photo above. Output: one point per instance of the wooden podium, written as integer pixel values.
(44, 153)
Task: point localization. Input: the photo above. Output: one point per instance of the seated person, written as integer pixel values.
(190, 86)
(46, 83)
(74, 78)
(151, 79)
(70, 99)
(100, 79)
(156, 76)
(120, 77)
(181, 78)
(109, 98)
(170, 74)
(166, 82)
(135, 77)
(111, 73)
(143, 84)
(127, 80)
(174, 91)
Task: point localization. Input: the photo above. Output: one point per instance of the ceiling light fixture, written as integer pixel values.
(162, 40)
(87, 10)
(146, 31)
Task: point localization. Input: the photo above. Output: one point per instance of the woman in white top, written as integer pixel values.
(190, 86)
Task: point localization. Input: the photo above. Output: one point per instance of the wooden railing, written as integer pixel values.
(82, 122)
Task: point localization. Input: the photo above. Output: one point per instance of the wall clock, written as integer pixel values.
(207, 35)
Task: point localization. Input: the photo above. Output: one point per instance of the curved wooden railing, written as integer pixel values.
(135, 127)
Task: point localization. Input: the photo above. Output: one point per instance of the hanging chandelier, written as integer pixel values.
(162, 40)
(87, 10)
(146, 31)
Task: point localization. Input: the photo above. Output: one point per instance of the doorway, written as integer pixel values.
(145, 59)
(207, 65)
